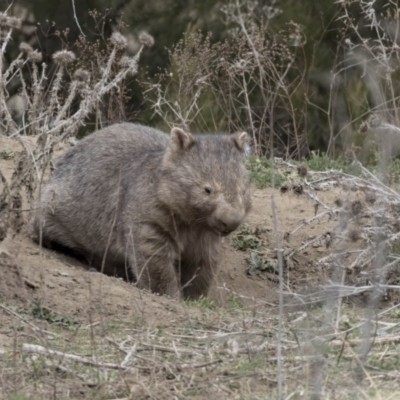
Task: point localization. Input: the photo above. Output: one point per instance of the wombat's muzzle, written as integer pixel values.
(226, 222)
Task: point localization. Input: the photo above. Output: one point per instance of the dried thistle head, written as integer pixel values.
(302, 171)
(14, 22)
(35, 57)
(125, 61)
(129, 62)
(80, 86)
(298, 189)
(25, 48)
(81, 75)
(370, 198)
(356, 207)
(364, 127)
(375, 121)
(10, 22)
(328, 239)
(396, 226)
(146, 40)
(339, 202)
(4, 19)
(284, 189)
(395, 208)
(19, 63)
(63, 57)
(119, 41)
(354, 235)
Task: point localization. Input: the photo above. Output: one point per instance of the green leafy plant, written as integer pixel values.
(319, 161)
(46, 314)
(202, 302)
(262, 173)
(245, 238)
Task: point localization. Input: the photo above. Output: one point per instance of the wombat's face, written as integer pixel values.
(204, 180)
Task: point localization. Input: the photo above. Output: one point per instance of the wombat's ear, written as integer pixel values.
(240, 140)
(180, 139)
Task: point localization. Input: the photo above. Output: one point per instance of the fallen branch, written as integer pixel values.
(376, 340)
(33, 348)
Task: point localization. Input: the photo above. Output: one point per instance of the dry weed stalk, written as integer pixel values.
(212, 86)
(367, 56)
(351, 216)
(363, 263)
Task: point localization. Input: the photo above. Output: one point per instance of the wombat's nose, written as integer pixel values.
(230, 222)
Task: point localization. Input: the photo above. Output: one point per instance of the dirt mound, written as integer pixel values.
(12, 284)
(63, 285)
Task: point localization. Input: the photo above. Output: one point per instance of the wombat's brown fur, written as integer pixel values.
(137, 202)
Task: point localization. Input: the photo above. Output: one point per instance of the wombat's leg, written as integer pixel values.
(196, 282)
(153, 265)
(50, 233)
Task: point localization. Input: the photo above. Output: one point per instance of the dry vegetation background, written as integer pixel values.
(306, 304)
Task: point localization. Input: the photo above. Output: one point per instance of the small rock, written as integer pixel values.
(61, 273)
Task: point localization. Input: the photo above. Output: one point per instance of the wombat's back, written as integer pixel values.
(111, 148)
(81, 204)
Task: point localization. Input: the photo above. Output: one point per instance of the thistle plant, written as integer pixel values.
(57, 104)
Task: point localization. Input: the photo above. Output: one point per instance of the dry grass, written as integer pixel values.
(219, 353)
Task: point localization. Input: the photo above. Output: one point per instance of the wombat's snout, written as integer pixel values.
(227, 222)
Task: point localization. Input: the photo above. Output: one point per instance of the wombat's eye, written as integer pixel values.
(208, 190)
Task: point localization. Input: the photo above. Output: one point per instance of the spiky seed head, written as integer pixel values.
(298, 189)
(63, 57)
(396, 226)
(129, 62)
(302, 171)
(339, 202)
(328, 239)
(354, 235)
(81, 75)
(356, 207)
(286, 236)
(10, 22)
(119, 41)
(35, 57)
(364, 127)
(14, 23)
(4, 19)
(80, 86)
(375, 121)
(125, 61)
(284, 189)
(146, 40)
(370, 198)
(395, 208)
(25, 48)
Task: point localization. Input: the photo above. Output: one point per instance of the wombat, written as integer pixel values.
(141, 204)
